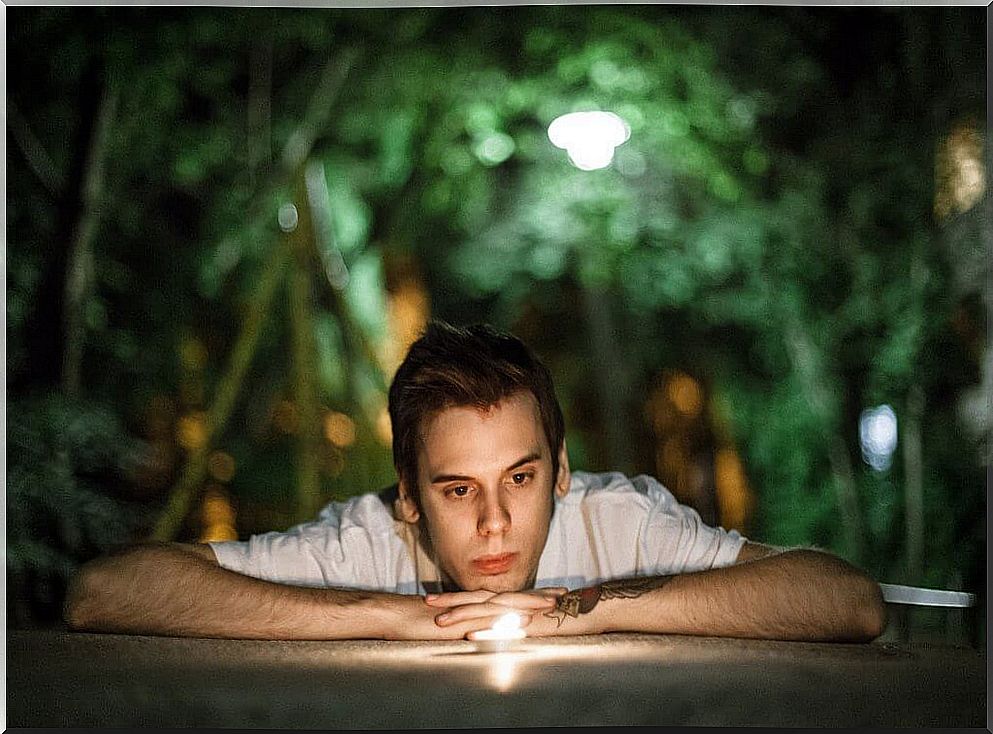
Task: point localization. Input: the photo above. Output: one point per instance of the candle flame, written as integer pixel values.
(508, 622)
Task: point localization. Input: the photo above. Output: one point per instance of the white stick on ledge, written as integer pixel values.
(898, 594)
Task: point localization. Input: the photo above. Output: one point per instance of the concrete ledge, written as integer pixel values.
(58, 679)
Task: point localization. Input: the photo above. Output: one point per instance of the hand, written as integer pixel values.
(480, 609)
(412, 618)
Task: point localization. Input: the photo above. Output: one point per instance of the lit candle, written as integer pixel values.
(505, 633)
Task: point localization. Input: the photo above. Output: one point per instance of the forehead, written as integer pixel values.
(466, 437)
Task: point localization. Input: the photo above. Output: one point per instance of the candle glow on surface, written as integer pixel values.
(503, 671)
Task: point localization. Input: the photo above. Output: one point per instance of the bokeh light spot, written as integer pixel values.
(494, 149)
(686, 395)
(191, 430)
(339, 429)
(878, 436)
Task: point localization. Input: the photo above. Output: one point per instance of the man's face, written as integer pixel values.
(485, 483)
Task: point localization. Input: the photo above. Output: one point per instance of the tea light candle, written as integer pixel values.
(505, 633)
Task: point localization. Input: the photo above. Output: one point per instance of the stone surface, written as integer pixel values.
(80, 680)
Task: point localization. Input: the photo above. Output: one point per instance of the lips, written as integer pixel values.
(493, 565)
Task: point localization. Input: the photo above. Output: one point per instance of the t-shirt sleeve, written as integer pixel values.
(284, 557)
(676, 540)
(343, 549)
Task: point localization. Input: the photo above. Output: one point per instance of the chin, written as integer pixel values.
(515, 580)
(497, 587)
(498, 584)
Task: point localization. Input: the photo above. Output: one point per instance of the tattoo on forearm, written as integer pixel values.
(582, 601)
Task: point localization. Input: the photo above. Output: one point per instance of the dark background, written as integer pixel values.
(796, 231)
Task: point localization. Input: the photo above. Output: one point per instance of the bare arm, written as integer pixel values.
(179, 590)
(792, 595)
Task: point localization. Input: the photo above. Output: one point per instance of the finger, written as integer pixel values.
(555, 591)
(457, 598)
(499, 604)
(516, 600)
(468, 612)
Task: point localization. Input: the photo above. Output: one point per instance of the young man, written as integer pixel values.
(486, 518)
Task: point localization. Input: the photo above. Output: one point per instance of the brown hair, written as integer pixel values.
(475, 366)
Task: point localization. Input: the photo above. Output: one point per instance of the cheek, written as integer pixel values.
(533, 520)
(447, 530)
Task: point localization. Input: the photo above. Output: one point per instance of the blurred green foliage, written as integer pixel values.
(768, 228)
(69, 462)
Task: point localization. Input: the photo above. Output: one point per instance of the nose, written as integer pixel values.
(494, 519)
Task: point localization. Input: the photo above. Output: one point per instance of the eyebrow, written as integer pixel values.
(533, 456)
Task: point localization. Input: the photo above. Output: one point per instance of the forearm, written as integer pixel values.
(796, 595)
(164, 590)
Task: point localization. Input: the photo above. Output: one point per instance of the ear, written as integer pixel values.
(406, 507)
(564, 478)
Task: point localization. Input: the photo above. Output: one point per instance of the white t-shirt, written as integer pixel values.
(607, 526)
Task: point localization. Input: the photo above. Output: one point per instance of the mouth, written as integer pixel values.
(493, 565)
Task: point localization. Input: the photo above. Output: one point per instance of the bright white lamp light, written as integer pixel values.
(589, 137)
(878, 436)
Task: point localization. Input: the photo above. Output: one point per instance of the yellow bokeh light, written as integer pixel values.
(408, 312)
(217, 516)
(686, 395)
(339, 429)
(407, 309)
(960, 179)
(734, 498)
(221, 466)
(191, 430)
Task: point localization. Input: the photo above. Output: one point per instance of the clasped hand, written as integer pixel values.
(480, 609)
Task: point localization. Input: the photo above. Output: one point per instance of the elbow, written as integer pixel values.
(861, 614)
(79, 610)
(879, 616)
(870, 619)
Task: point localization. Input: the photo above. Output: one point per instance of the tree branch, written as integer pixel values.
(34, 152)
(306, 397)
(806, 362)
(79, 274)
(297, 149)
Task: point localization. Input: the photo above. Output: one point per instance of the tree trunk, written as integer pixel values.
(305, 391)
(294, 153)
(260, 102)
(913, 469)
(611, 375)
(183, 493)
(80, 270)
(45, 332)
(315, 119)
(357, 345)
(34, 152)
(808, 364)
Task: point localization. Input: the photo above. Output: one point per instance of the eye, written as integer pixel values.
(460, 491)
(521, 477)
